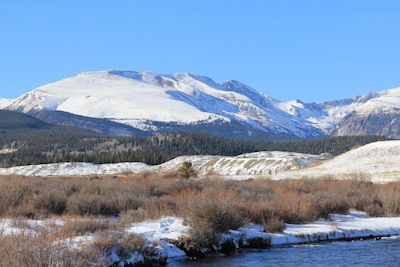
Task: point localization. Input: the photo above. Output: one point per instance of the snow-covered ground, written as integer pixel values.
(74, 169)
(354, 225)
(377, 162)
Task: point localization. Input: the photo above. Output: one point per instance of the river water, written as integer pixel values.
(385, 252)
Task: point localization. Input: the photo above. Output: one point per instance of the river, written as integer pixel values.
(385, 252)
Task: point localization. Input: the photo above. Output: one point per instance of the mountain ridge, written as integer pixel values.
(152, 103)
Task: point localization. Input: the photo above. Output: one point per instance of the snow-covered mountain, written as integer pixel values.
(155, 103)
(372, 114)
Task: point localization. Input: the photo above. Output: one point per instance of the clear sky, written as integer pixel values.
(312, 50)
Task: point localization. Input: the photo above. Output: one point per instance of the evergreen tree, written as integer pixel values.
(186, 170)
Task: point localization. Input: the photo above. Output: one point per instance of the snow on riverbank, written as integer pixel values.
(352, 226)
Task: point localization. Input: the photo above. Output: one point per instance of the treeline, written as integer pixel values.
(55, 145)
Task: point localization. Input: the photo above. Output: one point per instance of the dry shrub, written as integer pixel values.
(91, 204)
(42, 249)
(264, 213)
(330, 196)
(389, 196)
(210, 213)
(13, 190)
(123, 245)
(274, 225)
(293, 206)
(50, 199)
(157, 207)
(106, 241)
(76, 227)
(131, 216)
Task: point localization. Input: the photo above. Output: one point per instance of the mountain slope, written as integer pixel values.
(143, 99)
(374, 113)
(148, 103)
(10, 120)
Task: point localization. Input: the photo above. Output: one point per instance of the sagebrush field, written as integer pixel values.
(209, 206)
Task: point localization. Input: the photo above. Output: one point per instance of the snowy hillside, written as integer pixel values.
(378, 162)
(242, 166)
(5, 102)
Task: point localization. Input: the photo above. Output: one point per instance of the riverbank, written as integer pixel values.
(352, 226)
(166, 241)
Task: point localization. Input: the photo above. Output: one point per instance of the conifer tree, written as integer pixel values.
(186, 170)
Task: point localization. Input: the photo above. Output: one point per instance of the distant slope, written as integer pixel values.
(98, 125)
(378, 162)
(10, 120)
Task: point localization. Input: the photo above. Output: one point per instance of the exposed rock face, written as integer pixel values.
(385, 123)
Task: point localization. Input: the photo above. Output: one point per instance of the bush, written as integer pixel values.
(389, 196)
(210, 213)
(42, 249)
(125, 246)
(76, 227)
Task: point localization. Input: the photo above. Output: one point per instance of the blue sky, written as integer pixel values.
(312, 50)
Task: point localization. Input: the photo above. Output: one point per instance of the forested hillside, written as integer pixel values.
(25, 140)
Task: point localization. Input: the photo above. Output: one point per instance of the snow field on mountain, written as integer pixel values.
(103, 95)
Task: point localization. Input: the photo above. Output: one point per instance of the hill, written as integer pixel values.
(377, 162)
